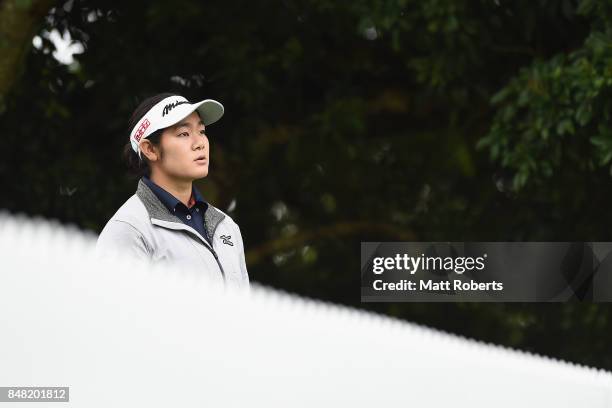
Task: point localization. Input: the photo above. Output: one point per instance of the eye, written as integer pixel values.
(184, 134)
(203, 132)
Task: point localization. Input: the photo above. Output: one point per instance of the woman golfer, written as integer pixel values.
(167, 220)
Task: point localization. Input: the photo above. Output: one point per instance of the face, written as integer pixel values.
(184, 151)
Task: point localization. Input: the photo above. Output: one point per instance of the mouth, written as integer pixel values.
(201, 160)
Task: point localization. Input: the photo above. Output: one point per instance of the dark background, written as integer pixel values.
(429, 120)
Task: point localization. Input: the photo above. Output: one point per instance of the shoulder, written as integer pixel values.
(223, 214)
(133, 208)
(127, 231)
(231, 227)
(225, 218)
(132, 213)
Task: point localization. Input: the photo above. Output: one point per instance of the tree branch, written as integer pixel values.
(19, 21)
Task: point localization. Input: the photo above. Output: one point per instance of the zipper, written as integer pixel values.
(205, 242)
(212, 251)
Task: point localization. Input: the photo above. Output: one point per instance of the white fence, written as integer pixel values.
(120, 334)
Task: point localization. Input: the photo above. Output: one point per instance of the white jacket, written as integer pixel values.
(144, 228)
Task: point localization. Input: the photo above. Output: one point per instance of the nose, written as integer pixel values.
(200, 142)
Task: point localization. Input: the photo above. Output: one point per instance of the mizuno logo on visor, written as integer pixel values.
(170, 106)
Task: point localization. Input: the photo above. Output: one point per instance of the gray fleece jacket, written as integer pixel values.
(144, 228)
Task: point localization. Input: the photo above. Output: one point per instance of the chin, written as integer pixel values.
(202, 173)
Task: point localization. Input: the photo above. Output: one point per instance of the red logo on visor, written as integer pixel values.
(141, 129)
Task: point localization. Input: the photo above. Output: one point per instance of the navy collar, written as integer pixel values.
(170, 201)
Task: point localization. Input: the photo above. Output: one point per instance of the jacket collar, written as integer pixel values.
(158, 211)
(171, 201)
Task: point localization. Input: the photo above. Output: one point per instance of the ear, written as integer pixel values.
(149, 150)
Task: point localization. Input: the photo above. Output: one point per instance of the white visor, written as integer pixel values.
(170, 111)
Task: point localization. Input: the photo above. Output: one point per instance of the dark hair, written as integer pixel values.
(136, 167)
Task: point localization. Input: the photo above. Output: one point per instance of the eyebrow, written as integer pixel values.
(186, 124)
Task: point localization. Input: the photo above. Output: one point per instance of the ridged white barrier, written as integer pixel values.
(120, 334)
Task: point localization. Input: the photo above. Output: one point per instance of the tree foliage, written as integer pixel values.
(557, 111)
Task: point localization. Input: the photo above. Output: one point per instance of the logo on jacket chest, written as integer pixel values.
(226, 240)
